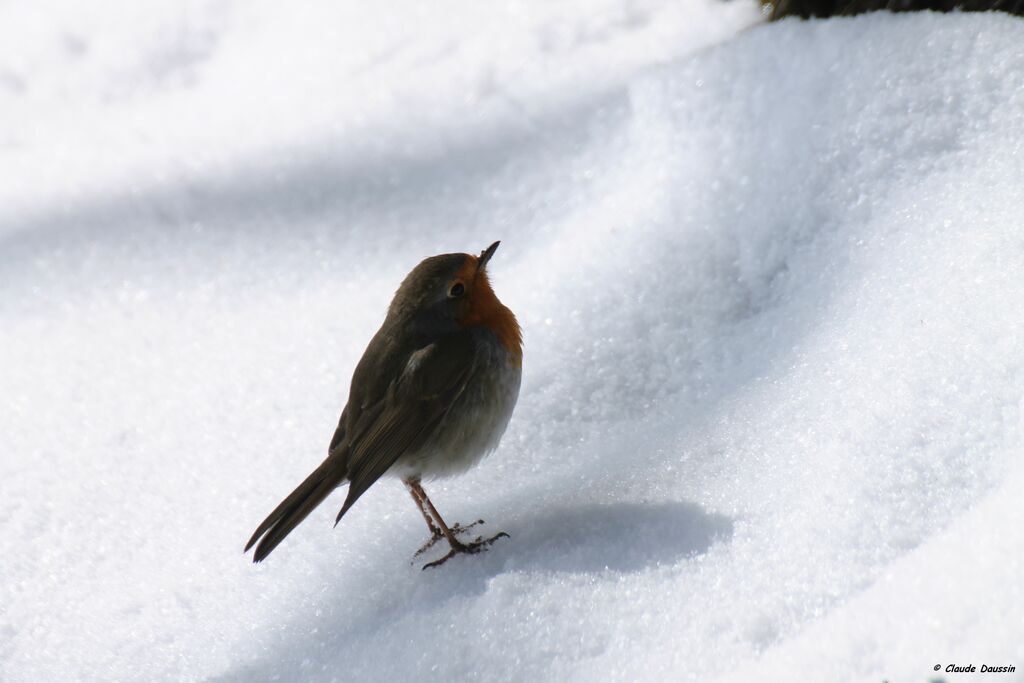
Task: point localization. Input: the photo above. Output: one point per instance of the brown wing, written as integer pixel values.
(414, 405)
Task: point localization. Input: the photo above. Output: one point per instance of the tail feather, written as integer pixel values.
(295, 508)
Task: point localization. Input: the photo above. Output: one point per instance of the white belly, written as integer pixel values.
(474, 425)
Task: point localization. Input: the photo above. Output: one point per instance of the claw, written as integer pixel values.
(438, 528)
(477, 546)
(458, 528)
(428, 545)
(438, 535)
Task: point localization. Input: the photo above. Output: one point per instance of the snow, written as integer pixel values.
(769, 279)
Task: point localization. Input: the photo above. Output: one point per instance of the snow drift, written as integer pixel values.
(771, 415)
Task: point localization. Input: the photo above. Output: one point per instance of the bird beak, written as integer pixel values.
(486, 255)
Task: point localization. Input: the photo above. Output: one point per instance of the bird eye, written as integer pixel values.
(457, 290)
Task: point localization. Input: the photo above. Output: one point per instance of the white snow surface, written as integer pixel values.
(770, 284)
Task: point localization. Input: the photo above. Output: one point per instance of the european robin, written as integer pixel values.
(432, 394)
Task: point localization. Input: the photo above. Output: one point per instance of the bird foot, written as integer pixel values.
(438, 535)
(479, 545)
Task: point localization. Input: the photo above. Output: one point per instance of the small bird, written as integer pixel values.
(432, 394)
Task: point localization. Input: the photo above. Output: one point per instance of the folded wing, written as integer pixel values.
(432, 380)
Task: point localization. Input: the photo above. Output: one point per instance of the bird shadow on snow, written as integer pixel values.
(621, 537)
(591, 538)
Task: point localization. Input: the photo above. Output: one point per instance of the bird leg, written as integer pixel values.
(415, 491)
(436, 534)
(431, 514)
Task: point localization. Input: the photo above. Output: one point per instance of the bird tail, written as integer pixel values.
(295, 508)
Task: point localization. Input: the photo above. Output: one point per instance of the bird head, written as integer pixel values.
(449, 292)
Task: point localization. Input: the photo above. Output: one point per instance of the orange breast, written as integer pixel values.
(482, 307)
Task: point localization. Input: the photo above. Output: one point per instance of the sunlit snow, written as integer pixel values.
(770, 280)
